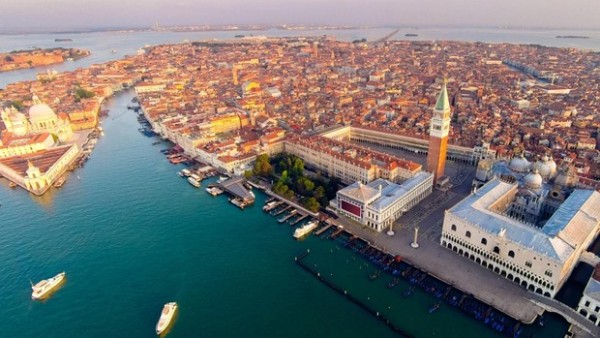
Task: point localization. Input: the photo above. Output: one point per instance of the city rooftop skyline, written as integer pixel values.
(41, 15)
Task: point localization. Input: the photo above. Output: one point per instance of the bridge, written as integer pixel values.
(385, 38)
(589, 258)
(582, 327)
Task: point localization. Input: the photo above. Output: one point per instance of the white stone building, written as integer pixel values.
(488, 228)
(381, 202)
(589, 305)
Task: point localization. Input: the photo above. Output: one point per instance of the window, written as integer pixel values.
(453, 227)
(528, 264)
(496, 250)
(587, 303)
(511, 254)
(484, 241)
(548, 273)
(468, 234)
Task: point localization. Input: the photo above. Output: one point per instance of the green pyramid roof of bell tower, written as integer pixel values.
(442, 101)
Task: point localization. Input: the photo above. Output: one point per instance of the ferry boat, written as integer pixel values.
(194, 182)
(305, 229)
(60, 182)
(44, 287)
(166, 316)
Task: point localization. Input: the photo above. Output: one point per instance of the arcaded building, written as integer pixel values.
(521, 234)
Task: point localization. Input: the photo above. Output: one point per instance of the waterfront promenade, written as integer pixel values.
(453, 269)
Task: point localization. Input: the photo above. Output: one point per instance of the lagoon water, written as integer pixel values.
(132, 235)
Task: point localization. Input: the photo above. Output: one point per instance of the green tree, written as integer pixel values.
(82, 93)
(248, 174)
(297, 168)
(311, 204)
(262, 166)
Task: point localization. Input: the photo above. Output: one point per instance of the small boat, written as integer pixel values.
(214, 191)
(194, 182)
(44, 287)
(60, 182)
(374, 275)
(409, 291)
(434, 307)
(166, 316)
(186, 172)
(393, 283)
(222, 179)
(270, 205)
(12, 184)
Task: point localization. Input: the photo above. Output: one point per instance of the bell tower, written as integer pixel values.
(438, 135)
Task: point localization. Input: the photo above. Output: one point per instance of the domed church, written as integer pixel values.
(42, 119)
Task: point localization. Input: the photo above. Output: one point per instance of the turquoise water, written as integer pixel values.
(132, 235)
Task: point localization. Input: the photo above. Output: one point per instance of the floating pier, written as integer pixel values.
(235, 187)
(296, 221)
(285, 218)
(282, 210)
(323, 229)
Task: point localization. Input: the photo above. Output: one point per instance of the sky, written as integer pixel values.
(55, 15)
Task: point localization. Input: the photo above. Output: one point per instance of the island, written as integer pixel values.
(572, 37)
(22, 59)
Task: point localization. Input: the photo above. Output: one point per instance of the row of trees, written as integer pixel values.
(291, 182)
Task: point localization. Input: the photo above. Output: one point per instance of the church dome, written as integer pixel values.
(41, 112)
(519, 164)
(546, 167)
(533, 180)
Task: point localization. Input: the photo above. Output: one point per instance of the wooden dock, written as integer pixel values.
(282, 210)
(337, 232)
(323, 229)
(285, 218)
(298, 220)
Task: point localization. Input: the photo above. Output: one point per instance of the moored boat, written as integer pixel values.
(214, 191)
(305, 229)
(60, 182)
(434, 307)
(194, 182)
(44, 287)
(166, 316)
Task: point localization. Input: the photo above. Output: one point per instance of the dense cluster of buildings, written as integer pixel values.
(45, 123)
(38, 57)
(527, 116)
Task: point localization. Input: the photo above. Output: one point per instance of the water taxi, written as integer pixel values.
(194, 182)
(166, 316)
(214, 191)
(44, 287)
(60, 182)
(305, 229)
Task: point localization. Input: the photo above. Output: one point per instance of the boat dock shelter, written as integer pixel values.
(235, 186)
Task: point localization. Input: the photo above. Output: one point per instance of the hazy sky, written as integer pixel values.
(74, 14)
